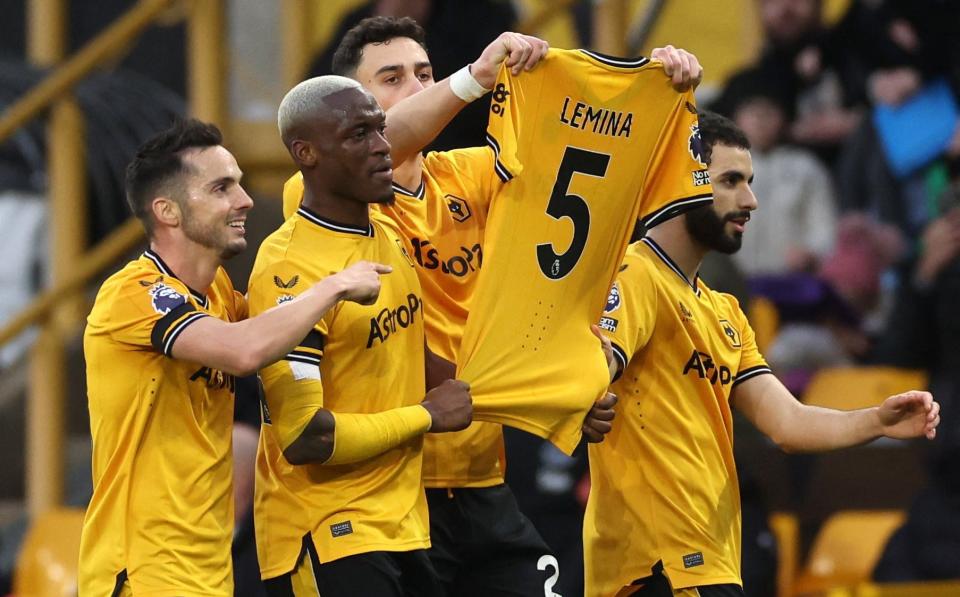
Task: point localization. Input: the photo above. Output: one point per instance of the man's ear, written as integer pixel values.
(303, 153)
(166, 212)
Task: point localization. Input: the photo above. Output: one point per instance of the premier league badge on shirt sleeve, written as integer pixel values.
(164, 298)
(695, 145)
(613, 299)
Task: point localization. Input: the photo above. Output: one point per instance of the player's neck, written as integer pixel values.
(409, 173)
(337, 209)
(673, 238)
(192, 264)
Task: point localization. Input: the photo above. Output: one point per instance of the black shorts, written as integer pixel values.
(379, 573)
(484, 545)
(657, 585)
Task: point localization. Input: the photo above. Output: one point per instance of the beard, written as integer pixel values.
(708, 228)
(210, 235)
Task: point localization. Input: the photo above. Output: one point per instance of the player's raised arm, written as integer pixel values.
(416, 121)
(343, 438)
(797, 427)
(243, 347)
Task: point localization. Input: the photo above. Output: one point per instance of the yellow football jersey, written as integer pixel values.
(664, 482)
(442, 224)
(585, 144)
(358, 359)
(161, 517)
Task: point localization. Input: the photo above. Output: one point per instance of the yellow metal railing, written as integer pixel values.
(59, 310)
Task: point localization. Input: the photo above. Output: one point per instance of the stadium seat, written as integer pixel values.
(849, 388)
(47, 564)
(847, 548)
(940, 588)
(765, 321)
(786, 530)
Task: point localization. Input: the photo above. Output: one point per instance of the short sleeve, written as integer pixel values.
(504, 121)
(150, 310)
(677, 180)
(292, 195)
(630, 313)
(752, 362)
(468, 173)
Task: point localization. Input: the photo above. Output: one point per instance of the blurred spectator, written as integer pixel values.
(831, 319)
(826, 85)
(927, 546)
(796, 220)
(457, 32)
(925, 329)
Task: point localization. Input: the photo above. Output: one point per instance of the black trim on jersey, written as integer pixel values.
(675, 208)
(616, 61)
(168, 328)
(621, 356)
(420, 193)
(751, 372)
(314, 340)
(303, 357)
(670, 263)
(165, 269)
(501, 170)
(313, 218)
(118, 586)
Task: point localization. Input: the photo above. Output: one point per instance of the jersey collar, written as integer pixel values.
(165, 270)
(419, 193)
(312, 217)
(658, 250)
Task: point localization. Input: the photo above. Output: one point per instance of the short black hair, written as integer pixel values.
(373, 30)
(719, 129)
(159, 160)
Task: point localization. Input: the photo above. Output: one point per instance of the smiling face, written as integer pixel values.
(213, 204)
(394, 70)
(720, 226)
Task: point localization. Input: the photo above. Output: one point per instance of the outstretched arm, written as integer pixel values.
(414, 122)
(241, 348)
(797, 427)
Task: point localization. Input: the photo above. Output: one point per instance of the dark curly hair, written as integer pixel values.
(373, 30)
(714, 129)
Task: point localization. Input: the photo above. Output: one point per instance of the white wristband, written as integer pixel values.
(464, 86)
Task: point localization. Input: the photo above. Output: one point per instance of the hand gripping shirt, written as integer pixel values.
(664, 482)
(585, 144)
(442, 223)
(160, 521)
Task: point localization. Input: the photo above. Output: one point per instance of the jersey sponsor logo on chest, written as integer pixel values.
(388, 320)
(215, 379)
(468, 260)
(594, 119)
(702, 365)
